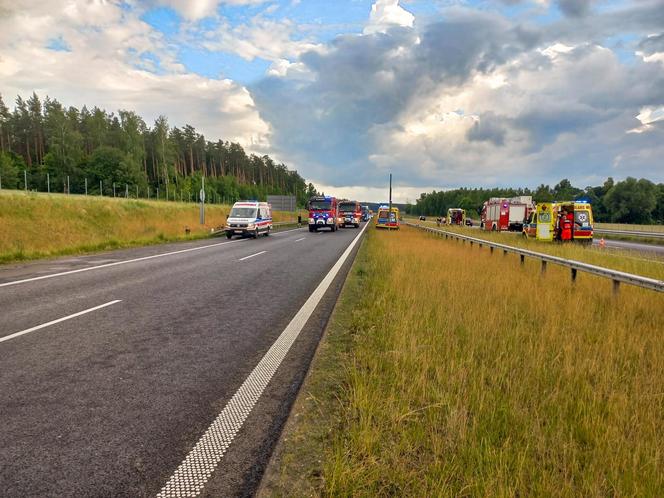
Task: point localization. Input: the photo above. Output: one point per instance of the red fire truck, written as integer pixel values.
(499, 214)
(323, 213)
(350, 213)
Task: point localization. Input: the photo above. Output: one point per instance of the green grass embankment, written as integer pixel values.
(448, 371)
(35, 226)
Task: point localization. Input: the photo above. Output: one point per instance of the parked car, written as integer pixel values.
(469, 222)
(423, 218)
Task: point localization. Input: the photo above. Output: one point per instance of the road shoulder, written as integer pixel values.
(295, 467)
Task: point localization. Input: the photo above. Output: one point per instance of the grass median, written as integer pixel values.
(46, 225)
(646, 264)
(448, 371)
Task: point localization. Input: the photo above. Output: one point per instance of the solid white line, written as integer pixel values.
(195, 470)
(53, 322)
(300, 239)
(257, 254)
(116, 263)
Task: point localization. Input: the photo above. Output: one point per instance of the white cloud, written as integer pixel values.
(198, 9)
(386, 14)
(267, 39)
(648, 117)
(109, 67)
(401, 193)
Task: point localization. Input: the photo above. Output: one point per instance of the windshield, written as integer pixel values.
(325, 205)
(243, 212)
(346, 206)
(382, 213)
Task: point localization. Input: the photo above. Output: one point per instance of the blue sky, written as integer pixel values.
(441, 93)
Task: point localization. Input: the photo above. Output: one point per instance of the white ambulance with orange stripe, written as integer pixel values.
(249, 219)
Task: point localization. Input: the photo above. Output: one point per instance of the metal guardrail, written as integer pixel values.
(631, 233)
(616, 276)
(220, 230)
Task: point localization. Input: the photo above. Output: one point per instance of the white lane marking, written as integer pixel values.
(285, 231)
(195, 470)
(53, 322)
(300, 239)
(116, 263)
(257, 254)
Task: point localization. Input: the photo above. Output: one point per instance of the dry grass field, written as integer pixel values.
(447, 371)
(646, 264)
(40, 225)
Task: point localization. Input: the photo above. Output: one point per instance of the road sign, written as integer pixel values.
(201, 195)
(282, 202)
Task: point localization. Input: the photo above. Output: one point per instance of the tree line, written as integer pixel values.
(46, 146)
(628, 201)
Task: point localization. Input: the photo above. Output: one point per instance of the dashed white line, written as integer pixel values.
(116, 263)
(300, 239)
(53, 322)
(195, 470)
(253, 255)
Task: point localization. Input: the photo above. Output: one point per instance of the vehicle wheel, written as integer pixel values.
(229, 235)
(267, 232)
(357, 225)
(255, 233)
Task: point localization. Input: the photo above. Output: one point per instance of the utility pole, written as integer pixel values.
(202, 197)
(101, 188)
(389, 213)
(86, 186)
(25, 180)
(48, 183)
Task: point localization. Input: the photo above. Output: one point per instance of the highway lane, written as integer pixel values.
(631, 246)
(109, 402)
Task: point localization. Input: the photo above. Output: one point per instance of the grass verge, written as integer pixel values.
(37, 226)
(646, 264)
(447, 371)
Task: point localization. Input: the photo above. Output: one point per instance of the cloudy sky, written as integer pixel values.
(441, 93)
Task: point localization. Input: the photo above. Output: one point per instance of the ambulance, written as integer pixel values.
(249, 219)
(387, 218)
(456, 216)
(561, 221)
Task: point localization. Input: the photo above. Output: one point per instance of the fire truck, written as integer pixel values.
(500, 214)
(350, 213)
(323, 213)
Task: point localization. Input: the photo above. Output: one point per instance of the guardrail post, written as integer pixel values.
(491, 248)
(523, 259)
(616, 287)
(543, 269)
(504, 252)
(573, 275)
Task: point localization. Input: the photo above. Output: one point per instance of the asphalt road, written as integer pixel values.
(631, 246)
(109, 401)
